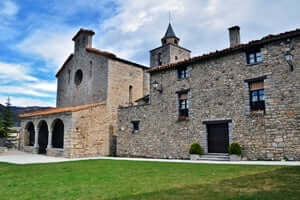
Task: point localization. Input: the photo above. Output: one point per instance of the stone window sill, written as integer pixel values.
(257, 112)
(181, 79)
(182, 119)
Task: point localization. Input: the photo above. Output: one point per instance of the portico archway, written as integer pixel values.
(29, 134)
(58, 134)
(43, 137)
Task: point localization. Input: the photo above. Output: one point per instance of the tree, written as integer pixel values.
(6, 119)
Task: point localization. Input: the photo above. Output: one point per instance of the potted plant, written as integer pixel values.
(196, 151)
(235, 152)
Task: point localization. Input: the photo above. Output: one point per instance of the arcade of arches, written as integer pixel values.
(45, 138)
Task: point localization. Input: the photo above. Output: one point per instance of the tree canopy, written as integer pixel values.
(5, 120)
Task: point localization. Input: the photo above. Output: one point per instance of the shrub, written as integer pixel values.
(196, 149)
(235, 148)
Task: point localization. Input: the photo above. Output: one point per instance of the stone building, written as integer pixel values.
(247, 93)
(91, 86)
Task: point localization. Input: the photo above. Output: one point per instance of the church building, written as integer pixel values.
(246, 93)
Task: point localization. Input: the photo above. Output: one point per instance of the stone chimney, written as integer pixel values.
(234, 36)
(83, 39)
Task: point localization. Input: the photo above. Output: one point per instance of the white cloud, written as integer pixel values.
(202, 25)
(21, 89)
(52, 44)
(15, 72)
(16, 80)
(8, 8)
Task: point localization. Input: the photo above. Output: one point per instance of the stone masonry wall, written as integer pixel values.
(93, 87)
(90, 132)
(168, 53)
(121, 76)
(218, 92)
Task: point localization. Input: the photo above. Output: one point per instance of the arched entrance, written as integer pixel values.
(58, 134)
(43, 137)
(29, 134)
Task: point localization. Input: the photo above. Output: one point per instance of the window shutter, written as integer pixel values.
(183, 96)
(256, 86)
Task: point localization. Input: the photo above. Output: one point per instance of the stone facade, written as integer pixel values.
(219, 91)
(87, 102)
(169, 53)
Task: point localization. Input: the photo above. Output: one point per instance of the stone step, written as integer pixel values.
(215, 157)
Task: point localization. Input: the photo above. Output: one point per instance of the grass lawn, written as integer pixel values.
(108, 179)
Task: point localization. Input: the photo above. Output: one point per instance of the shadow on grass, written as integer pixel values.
(283, 183)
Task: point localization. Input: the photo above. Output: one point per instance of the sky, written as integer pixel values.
(36, 35)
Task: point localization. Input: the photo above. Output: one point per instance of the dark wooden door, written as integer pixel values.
(218, 138)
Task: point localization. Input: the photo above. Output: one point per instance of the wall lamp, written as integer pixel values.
(289, 59)
(157, 86)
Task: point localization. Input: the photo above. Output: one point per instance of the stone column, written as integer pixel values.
(49, 138)
(36, 137)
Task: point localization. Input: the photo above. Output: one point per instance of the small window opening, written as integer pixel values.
(182, 73)
(130, 94)
(159, 59)
(69, 76)
(91, 68)
(176, 58)
(254, 56)
(78, 77)
(135, 125)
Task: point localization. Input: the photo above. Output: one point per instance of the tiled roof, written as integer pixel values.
(114, 57)
(60, 110)
(227, 51)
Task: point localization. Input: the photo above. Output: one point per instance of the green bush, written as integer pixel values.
(196, 149)
(235, 148)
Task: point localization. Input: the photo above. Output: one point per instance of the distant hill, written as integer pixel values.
(20, 110)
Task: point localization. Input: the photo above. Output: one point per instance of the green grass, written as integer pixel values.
(108, 179)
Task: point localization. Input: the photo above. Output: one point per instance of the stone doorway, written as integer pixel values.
(43, 137)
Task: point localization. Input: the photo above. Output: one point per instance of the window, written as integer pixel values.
(91, 69)
(257, 95)
(182, 73)
(254, 56)
(130, 94)
(176, 57)
(69, 75)
(135, 125)
(78, 77)
(159, 59)
(183, 105)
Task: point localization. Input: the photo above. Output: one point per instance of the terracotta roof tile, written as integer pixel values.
(60, 110)
(216, 54)
(103, 53)
(114, 57)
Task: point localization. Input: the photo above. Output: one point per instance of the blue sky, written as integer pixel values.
(36, 35)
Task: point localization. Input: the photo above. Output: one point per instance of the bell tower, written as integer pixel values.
(169, 51)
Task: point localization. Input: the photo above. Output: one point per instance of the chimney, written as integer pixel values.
(234, 36)
(83, 39)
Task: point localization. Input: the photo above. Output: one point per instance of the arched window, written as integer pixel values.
(29, 134)
(58, 134)
(130, 94)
